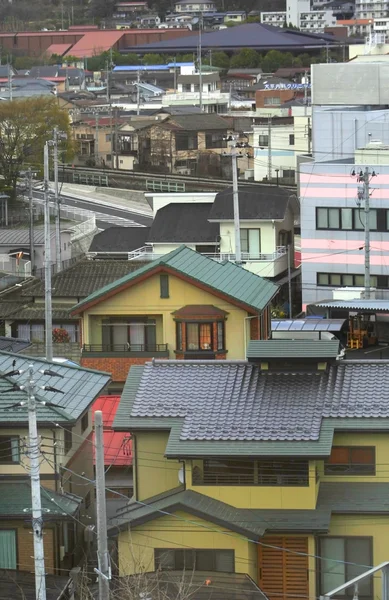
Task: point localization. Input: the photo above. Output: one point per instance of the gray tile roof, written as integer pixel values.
(14, 237)
(10, 344)
(234, 282)
(350, 497)
(244, 521)
(119, 239)
(199, 122)
(293, 349)
(255, 202)
(79, 387)
(184, 223)
(234, 408)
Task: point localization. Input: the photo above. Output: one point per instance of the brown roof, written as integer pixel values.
(201, 310)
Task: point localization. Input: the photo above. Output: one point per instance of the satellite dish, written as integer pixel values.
(181, 475)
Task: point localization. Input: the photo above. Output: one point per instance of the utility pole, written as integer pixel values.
(37, 521)
(309, 135)
(366, 197)
(57, 203)
(31, 212)
(97, 139)
(10, 82)
(48, 308)
(137, 92)
(269, 165)
(107, 77)
(289, 283)
(235, 195)
(103, 571)
(305, 91)
(200, 64)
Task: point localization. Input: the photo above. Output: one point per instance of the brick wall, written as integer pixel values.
(25, 546)
(118, 367)
(284, 95)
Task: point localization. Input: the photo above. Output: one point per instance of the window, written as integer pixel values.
(108, 157)
(291, 139)
(345, 551)
(124, 491)
(220, 335)
(351, 460)
(263, 140)
(68, 440)
(272, 100)
(134, 335)
(345, 219)
(351, 280)
(9, 449)
(164, 285)
(186, 141)
(84, 422)
(107, 137)
(8, 549)
(250, 241)
(35, 332)
(288, 173)
(222, 561)
(199, 336)
(283, 472)
(293, 472)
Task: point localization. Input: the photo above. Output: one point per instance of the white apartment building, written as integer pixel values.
(299, 14)
(371, 9)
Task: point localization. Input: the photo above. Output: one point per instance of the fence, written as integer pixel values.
(15, 266)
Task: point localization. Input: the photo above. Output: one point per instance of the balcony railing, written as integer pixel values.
(125, 348)
(147, 253)
(230, 479)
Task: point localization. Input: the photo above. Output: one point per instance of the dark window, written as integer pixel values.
(288, 173)
(164, 285)
(291, 139)
(220, 336)
(250, 472)
(351, 460)
(221, 561)
(350, 552)
(228, 472)
(215, 140)
(351, 280)
(263, 140)
(186, 141)
(118, 492)
(68, 440)
(87, 500)
(84, 422)
(9, 449)
(250, 241)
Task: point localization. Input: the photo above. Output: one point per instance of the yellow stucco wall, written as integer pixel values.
(136, 549)
(47, 440)
(303, 497)
(157, 474)
(144, 299)
(381, 443)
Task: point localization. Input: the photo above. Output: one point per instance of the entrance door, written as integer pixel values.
(8, 549)
(283, 573)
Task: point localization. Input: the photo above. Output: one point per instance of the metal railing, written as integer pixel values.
(280, 480)
(147, 253)
(125, 348)
(15, 266)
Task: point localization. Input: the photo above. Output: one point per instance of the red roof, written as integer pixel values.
(58, 49)
(117, 445)
(95, 42)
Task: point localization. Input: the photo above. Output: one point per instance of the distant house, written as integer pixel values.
(196, 6)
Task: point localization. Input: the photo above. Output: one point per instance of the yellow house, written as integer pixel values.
(276, 473)
(65, 430)
(183, 305)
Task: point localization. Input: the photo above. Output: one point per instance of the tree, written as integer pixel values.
(221, 60)
(101, 9)
(153, 59)
(247, 58)
(25, 126)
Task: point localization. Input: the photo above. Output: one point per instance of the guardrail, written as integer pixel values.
(164, 186)
(125, 347)
(15, 266)
(147, 253)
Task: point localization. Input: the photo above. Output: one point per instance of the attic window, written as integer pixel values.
(164, 285)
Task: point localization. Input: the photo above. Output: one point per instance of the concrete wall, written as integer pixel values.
(356, 82)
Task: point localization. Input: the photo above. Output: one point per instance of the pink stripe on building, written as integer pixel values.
(340, 192)
(338, 179)
(333, 245)
(341, 259)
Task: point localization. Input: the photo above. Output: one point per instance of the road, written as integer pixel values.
(106, 215)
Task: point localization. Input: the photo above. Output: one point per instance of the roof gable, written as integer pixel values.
(233, 282)
(184, 222)
(255, 203)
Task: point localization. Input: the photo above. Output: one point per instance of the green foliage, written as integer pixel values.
(25, 126)
(246, 58)
(153, 59)
(221, 60)
(25, 62)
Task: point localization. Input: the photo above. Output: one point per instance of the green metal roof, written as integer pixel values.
(352, 497)
(293, 349)
(244, 521)
(15, 501)
(227, 278)
(77, 389)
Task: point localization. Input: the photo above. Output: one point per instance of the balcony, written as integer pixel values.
(274, 263)
(190, 98)
(125, 350)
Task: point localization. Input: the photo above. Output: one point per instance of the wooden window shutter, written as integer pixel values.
(283, 572)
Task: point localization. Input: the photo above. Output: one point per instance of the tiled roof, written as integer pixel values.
(95, 42)
(231, 408)
(233, 281)
(117, 445)
(351, 497)
(15, 501)
(264, 203)
(182, 222)
(76, 390)
(15, 237)
(10, 344)
(84, 278)
(36, 312)
(244, 521)
(199, 121)
(293, 349)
